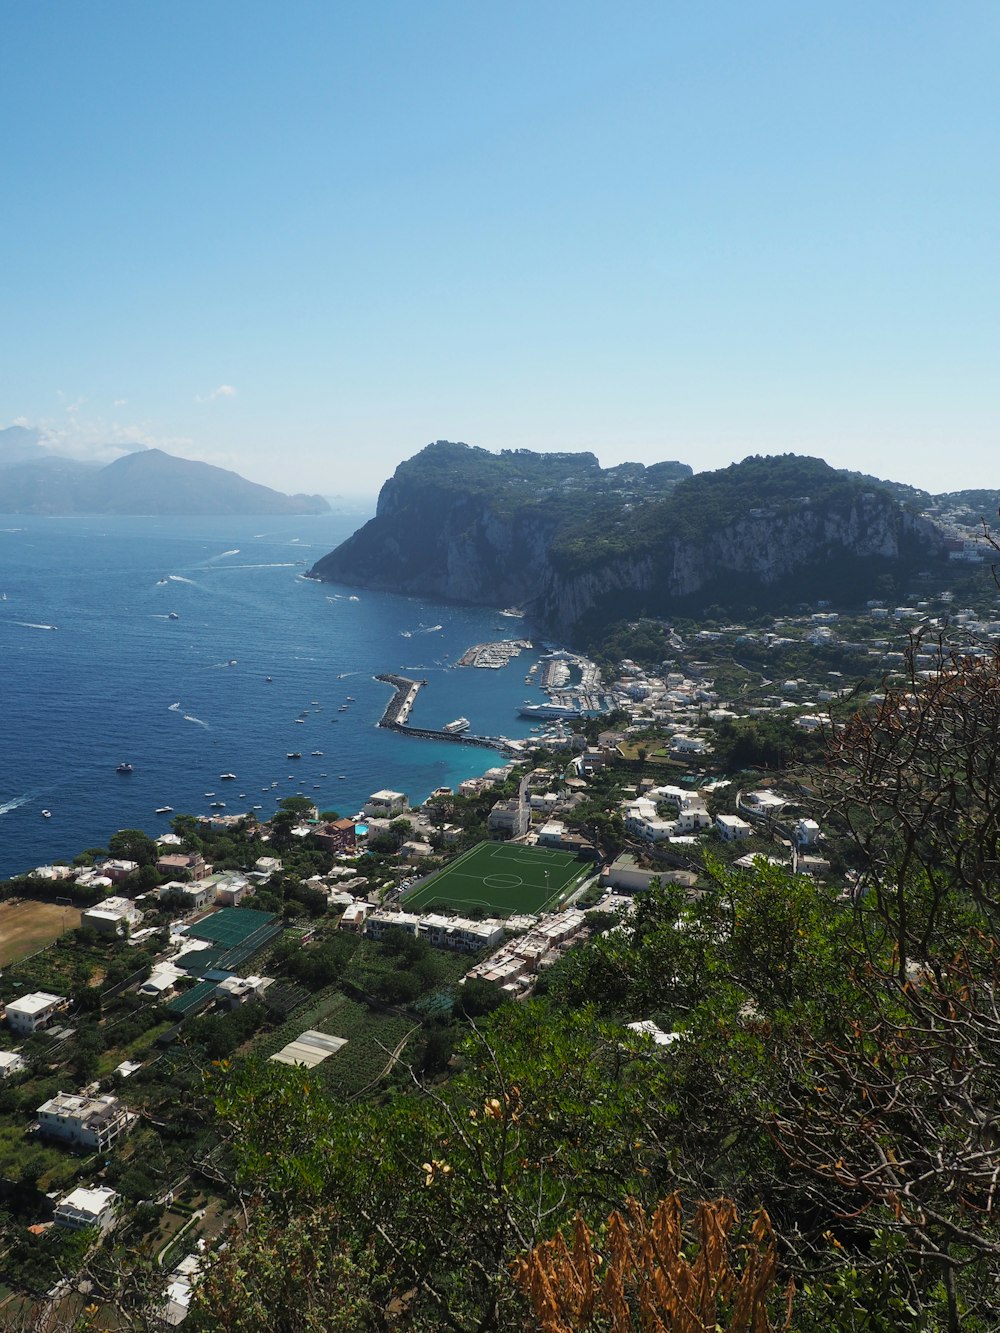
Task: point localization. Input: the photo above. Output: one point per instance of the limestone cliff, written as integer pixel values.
(572, 542)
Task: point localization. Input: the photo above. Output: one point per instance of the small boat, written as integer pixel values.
(317, 752)
(342, 776)
(301, 721)
(314, 703)
(124, 768)
(231, 662)
(218, 805)
(293, 754)
(228, 777)
(172, 615)
(46, 814)
(350, 698)
(164, 809)
(208, 794)
(268, 679)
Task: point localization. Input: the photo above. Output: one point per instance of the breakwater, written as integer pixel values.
(399, 707)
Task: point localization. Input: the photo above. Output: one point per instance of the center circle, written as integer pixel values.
(503, 881)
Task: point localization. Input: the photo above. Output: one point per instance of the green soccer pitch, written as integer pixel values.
(501, 877)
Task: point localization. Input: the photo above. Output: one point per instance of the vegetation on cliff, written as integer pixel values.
(580, 546)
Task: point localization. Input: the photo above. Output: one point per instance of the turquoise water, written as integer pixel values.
(259, 662)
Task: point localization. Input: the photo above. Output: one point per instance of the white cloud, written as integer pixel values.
(223, 391)
(119, 402)
(97, 440)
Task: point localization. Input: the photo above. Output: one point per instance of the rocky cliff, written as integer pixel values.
(574, 543)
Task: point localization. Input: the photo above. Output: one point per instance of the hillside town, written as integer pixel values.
(361, 945)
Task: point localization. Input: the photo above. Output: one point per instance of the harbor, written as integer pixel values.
(399, 707)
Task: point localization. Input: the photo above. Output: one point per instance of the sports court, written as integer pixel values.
(502, 878)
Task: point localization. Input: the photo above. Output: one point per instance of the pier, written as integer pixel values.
(399, 707)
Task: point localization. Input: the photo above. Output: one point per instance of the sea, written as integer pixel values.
(193, 647)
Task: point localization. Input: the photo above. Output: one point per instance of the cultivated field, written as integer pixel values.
(26, 926)
(502, 878)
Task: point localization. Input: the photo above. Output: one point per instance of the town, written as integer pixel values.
(362, 945)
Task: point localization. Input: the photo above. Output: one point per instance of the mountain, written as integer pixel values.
(578, 545)
(148, 481)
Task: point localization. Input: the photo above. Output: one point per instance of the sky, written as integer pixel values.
(301, 241)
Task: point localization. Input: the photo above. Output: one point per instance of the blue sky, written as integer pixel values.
(303, 240)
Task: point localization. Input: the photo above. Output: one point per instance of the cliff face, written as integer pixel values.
(571, 542)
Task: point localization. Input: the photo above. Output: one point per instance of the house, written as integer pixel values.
(161, 981)
(86, 1122)
(385, 804)
(238, 990)
(10, 1064)
(551, 833)
(732, 828)
(268, 865)
(509, 819)
(193, 896)
(231, 890)
(183, 863)
(32, 1013)
(113, 916)
(806, 832)
(626, 874)
(87, 1208)
(340, 835)
(415, 850)
(117, 870)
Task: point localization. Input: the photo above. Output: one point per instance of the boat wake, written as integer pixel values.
(179, 578)
(174, 708)
(14, 804)
(197, 720)
(28, 624)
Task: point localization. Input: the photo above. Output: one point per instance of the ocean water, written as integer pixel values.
(96, 672)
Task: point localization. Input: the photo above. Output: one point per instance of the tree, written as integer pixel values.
(133, 845)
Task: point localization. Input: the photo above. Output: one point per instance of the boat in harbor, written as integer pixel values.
(457, 727)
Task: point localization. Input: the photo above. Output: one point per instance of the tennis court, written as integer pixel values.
(502, 878)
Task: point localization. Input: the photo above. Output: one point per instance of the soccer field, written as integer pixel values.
(502, 878)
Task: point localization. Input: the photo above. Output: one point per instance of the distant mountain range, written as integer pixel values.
(580, 546)
(33, 480)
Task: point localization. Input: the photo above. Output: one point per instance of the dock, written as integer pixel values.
(399, 707)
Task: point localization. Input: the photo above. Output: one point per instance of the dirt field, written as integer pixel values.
(26, 926)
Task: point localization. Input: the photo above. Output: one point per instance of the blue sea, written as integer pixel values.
(97, 672)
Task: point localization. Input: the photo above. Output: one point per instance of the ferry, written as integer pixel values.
(457, 727)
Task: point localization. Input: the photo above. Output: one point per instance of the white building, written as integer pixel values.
(87, 1122)
(510, 819)
(87, 1208)
(113, 916)
(806, 832)
(32, 1013)
(385, 804)
(732, 828)
(444, 932)
(10, 1064)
